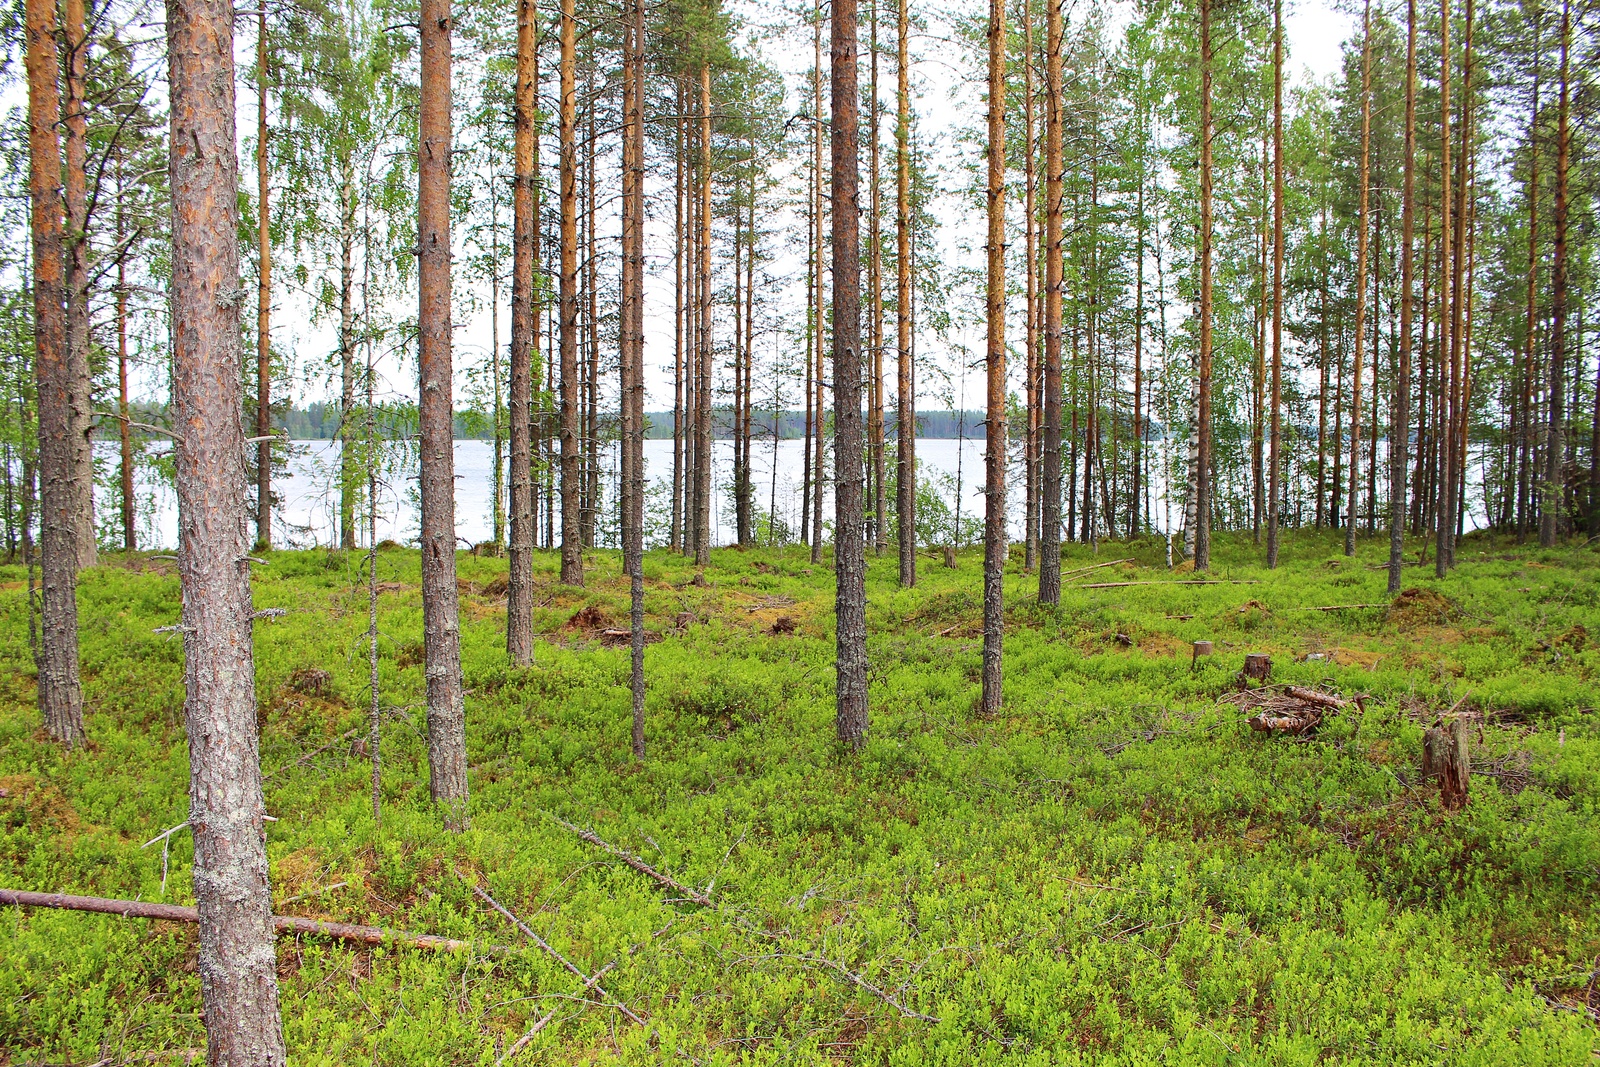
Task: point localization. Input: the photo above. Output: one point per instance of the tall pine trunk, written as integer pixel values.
(702, 420)
(1551, 507)
(1363, 229)
(238, 975)
(906, 400)
(1275, 441)
(875, 433)
(77, 252)
(130, 538)
(263, 296)
(994, 487)
(60, 694)
(1030, 448)
(1445, 376)
(633, 208)
(850, 557)
(1050, 447)
(571, 490)
(524, 323)
(1400, 433)
(441, 633)
(1524, 431)
(816, 372)
(1201, 477)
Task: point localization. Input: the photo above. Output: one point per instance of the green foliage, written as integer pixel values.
(1115, 871)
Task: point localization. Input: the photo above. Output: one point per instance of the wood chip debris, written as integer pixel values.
(1290, 709)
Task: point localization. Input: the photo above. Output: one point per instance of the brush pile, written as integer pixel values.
(1289, 709)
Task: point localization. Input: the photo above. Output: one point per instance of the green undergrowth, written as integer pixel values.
(1116, 870)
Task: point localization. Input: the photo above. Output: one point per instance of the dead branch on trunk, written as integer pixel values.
(284, 924)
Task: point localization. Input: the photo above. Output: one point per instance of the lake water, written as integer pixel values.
(307, 513)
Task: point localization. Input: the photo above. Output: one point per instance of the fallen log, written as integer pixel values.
(1291, 722)
(284, 924)
(1312, 696)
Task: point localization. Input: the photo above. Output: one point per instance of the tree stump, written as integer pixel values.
(950, 556)
(1445, 758)
(1201, 648)
(1257, 665)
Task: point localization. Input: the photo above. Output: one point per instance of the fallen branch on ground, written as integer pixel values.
(638, 864)
(1337, 607)
(284, 924)
(265, 778)
(854, 978)
(1192, 581)
(1096, 566)
(522, 1042)
(590, 983)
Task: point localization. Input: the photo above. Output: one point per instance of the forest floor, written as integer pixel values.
(1116, 870)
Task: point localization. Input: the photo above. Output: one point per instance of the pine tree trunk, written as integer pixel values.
(1030, 446)
(813, 274)
(60, 695)
(1275, 442)
(818, 378)
(77, 253)
(1551, 505)
(441, 635)
(906, 400)
(1324, 514)
(263, 296)
(1258, 384)
(850, 556)
(1446, 366)
(994, 488)
(1400, 434)
(130, 538)
(589, 513)
(524, 324)
(633, 208)
(571, 490)
(875, 434)
(1202, 468)
(496, 374)
(1136, 511)
(1361, 279)
(680, 193)
(238, 976)
(1050, 446)
(702, 442)
(746, 488)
